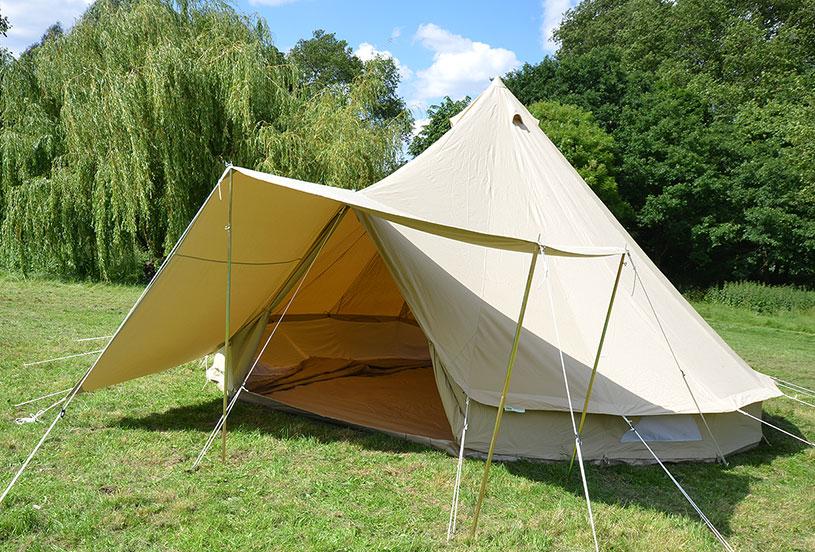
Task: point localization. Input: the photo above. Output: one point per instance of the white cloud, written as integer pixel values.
(31, 18)
(395, 33)
(417, 105)
(460, 65)
(367, 51)
(552, 15)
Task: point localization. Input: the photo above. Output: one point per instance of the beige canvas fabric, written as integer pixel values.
(276, 222)
(548, 435)
(496, 171)
(438, 253)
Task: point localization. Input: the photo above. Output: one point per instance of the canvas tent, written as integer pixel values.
(483, 281)
(411, 296)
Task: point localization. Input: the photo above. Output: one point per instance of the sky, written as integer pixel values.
(442, 47)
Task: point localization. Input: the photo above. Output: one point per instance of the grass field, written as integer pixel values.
(114, 474)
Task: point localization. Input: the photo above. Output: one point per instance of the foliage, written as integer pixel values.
(438, 123)
(589, 149)
(113, 133)
(5, 25)
(5, 55)
(712, 109)
(762, 298)
(114, 473)
(325, 61)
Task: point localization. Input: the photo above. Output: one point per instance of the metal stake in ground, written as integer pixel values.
(504, 392)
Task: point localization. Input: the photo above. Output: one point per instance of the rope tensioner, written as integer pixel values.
(36, 417)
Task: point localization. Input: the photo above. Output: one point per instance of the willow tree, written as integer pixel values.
(113, 133)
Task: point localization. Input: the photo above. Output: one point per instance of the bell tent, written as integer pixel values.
(480, 299)
(411, 301)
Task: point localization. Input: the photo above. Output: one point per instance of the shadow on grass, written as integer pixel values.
(716, 489)
(282, 425)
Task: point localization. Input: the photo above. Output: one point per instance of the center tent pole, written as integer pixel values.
(227, 329)
(597, 356)
(504, 392)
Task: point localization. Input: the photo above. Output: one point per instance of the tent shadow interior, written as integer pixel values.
(248, 417)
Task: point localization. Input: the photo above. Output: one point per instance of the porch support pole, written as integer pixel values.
(227, 329)
(504, 392)
(597, 356)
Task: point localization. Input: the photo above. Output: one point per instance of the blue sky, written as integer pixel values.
(442, 47)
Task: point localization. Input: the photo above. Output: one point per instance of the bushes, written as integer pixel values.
(761, 297)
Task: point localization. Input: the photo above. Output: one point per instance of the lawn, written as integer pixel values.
(114, 475)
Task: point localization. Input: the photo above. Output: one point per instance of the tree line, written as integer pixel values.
(111, 135)
(693, 120)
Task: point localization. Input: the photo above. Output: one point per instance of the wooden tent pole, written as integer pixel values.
(227, 330)
(504, 392)
(597, 356)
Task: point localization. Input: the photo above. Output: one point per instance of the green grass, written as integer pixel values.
(114, 474)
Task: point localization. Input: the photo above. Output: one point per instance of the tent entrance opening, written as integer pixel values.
(349, 348)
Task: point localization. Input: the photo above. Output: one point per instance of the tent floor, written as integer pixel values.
(403, 402)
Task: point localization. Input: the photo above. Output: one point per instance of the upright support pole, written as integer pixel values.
(597, 356)
(227, 329)
(507, 379)
(300, 274)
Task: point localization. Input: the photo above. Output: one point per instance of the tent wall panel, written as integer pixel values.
(547, 435)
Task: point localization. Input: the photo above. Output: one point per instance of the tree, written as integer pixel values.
(325, 61)
(533, 83)
(710, 105)
(438, 123)
(5, 55)
(113, 133)
(4, 25)
(389, 105)
(588, 148)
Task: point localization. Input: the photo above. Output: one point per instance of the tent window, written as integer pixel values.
(518, 121)
(678, 428)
